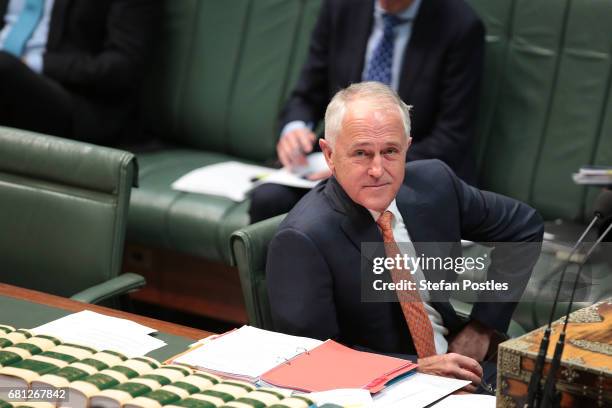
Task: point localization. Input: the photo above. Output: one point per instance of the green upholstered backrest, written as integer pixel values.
(249, 251)
(63, 210)
(223, 71)
(546, 105)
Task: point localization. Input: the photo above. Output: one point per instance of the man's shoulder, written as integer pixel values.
(459, 9)
(457, 16)
(312, 215)
(428, 169)
(339, 8)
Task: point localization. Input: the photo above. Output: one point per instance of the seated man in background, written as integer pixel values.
(73, 68)
(313, 269)
(429, 52)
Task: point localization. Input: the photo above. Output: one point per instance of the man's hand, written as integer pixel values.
(473, 341)
(293, 147)
(454, 366)
(320, 175)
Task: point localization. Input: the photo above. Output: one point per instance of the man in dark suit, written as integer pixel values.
(316, 274)
(73, 68)
(430, 52)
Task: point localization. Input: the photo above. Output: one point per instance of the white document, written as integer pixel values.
(298, 176)
(467, 401)
(231, 179)
(234, 180)
(417, 390)
(315, 162)
(102, 332)
(247, 352)
(344, 397)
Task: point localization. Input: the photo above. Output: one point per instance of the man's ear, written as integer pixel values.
(327, 152)
(409, 143)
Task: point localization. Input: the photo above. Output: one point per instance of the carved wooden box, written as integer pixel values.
(585, 375)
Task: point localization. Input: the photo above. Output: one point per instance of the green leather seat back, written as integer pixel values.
(222, 74)
(63, 207)
(249, 250)
(223, 71)
(546, 99)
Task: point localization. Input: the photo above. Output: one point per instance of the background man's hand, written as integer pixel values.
(473, 341)
(320, 175)
(454, 366)
(294, 145)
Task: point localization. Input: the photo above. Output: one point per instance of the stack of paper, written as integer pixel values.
(102, 332)
(246, 353)
(594, 175)
(234, 180)
(418, 390)
(467, 401)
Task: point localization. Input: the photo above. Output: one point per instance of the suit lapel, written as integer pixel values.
(423, 35)
(357, 223)
(56, 27)
(3, 8)
(361, 18)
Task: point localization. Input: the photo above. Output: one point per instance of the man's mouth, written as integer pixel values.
(376, 185)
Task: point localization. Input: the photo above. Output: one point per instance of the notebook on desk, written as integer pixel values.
(332, 366)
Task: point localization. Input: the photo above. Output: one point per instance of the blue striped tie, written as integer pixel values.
(24, 27)
(381, 61)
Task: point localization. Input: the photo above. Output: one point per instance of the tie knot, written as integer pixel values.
(384, 221)
(391, 21)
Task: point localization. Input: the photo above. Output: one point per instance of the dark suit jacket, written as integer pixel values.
(314, 267)
(440, 74)
(97, 50)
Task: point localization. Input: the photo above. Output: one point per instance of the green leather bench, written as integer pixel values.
(224, 70)
(546, 106)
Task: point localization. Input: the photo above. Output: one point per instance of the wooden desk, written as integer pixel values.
(29, 308)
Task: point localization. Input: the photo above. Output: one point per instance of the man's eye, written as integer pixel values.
(360, 153)
(391, 150)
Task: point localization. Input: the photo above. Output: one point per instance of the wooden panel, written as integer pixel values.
(187, 283)
(74, 306)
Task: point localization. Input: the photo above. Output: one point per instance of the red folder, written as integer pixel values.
(332, 365)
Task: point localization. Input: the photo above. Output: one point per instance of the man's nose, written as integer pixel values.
(376, 166)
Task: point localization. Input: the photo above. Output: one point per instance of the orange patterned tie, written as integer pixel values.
(410, 300)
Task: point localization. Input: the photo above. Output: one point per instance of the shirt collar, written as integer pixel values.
(407, 15)
(394, 210)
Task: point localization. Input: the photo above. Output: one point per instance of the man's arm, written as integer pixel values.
(129, 30)
(452, 135)
(516, 231)
(300, 287)
(309, 98)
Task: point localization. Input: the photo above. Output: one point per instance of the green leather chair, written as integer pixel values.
(249, 250)
(63, 211)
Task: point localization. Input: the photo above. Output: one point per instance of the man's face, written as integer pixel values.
(369, 156)
(394, 6)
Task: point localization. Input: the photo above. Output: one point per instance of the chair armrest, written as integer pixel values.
(119, 285)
